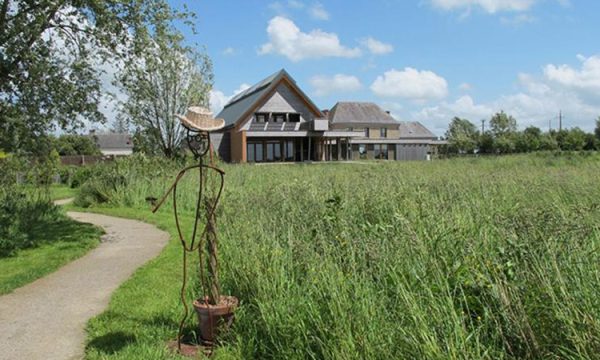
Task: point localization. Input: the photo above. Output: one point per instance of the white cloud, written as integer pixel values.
(465, 87)
(218, 99)
(574, 91)
(586, 79)
(229, 51)
(286, 39)
(490, 6)
(295, 4)
(517, 20)
(410, 84)
(325, 85)
(377, 47)
(317, 11)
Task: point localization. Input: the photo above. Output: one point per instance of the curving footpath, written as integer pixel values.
(46, 319)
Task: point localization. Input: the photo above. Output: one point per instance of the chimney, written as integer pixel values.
(325, 112)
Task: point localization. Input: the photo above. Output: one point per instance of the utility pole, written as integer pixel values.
(560, 120)
(482, 126)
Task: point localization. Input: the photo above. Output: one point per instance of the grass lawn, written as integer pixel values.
(464, 259)
(58, 192)
(61, 241)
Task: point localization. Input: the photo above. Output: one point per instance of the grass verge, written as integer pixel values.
(58, 192)
(61, 240)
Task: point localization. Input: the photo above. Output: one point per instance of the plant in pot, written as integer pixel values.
(215, 311)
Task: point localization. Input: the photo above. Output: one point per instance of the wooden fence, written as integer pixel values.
(81, 160)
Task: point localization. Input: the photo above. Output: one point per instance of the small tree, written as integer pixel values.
(166, 80)
(76, 145)
(572, 140)
(597, 130)
(462, 135)
(502, 124)
(548, 142)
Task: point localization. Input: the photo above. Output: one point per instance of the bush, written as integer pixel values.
(110, 182)
(20, 211)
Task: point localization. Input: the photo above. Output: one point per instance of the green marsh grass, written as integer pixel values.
(493, 258)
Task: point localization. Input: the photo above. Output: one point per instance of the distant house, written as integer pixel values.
(113, 144)
(382, 136)
(275, 120)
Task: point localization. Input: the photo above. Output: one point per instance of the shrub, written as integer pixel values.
(20, 211)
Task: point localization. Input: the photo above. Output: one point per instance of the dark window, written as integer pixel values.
(277, 151)
(261, 117)
(254, 152)
(270, 151)
(250, 153)
(294, 117)
(383, 132)
(366, 132)
(259, 152)
(362, 151)
(279, 118)
(381, 151)
(289, 150)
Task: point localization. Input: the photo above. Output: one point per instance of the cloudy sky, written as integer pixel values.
(425, 60)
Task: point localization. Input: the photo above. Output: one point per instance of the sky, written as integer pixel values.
(423, 60)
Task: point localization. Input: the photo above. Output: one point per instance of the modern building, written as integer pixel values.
(275, 120)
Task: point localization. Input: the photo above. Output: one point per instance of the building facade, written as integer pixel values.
(274, 121)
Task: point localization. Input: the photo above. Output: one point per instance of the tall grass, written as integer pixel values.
(469, 258)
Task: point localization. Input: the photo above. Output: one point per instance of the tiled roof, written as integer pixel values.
(414, 129)
(244, 101)
(113, 141)
(359, 113)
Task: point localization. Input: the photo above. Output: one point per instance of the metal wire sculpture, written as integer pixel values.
(199, 144)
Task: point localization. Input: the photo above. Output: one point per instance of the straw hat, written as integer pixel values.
(200, 119)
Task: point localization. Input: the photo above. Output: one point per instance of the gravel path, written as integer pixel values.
(46, 319)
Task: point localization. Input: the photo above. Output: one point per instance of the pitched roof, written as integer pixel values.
(414, 129)
(359, 113)
(113, 141)
(250, 98)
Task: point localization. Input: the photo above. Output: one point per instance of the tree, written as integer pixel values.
(502, 124)
(597, 130)
(591, 142)
(166, 80)
(462, 135)
(503, 129)
(571, 140)
(486, 143)
(528, 140)
(548, 142)
(50, 56)
(76, 145)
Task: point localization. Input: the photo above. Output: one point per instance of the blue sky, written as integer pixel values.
(424, 60)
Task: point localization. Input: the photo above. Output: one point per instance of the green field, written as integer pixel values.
(493, 258)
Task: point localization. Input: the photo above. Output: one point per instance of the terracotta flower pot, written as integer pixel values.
(214, 319)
